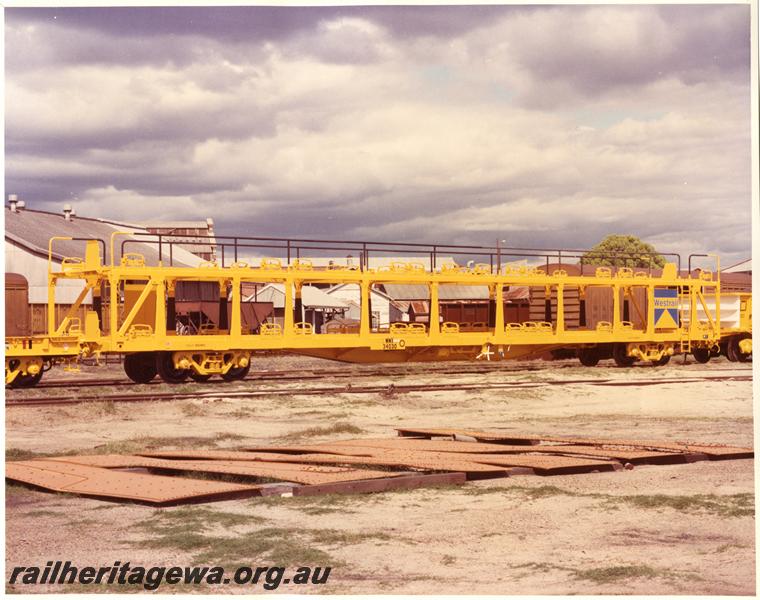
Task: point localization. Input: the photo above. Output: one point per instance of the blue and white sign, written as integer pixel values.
(665, 308)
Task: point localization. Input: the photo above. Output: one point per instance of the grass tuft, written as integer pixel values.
(736, 505)
(191, 409)
(339, 427)
(617, 573)
(20, 454)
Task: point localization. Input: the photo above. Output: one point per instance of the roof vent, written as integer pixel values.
(68, 212)
(16, 205)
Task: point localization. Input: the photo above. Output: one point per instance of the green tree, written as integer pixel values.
(623, 251)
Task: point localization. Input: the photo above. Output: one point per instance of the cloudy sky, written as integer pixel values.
(544, 126)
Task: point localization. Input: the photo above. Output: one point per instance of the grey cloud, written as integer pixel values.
(229, 23)
(565, 53)
(337, 128)
(179, 35)
(263, 22)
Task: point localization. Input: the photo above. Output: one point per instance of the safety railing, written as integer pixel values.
(227, 251)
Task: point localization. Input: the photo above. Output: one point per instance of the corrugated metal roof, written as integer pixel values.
(351, 292)
(743, 267)
(521, 292)
(311, 296)
(32, 229)
(419, 307)
(374, 261)
(403, 291)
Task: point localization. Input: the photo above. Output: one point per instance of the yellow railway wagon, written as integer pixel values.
(651, 315)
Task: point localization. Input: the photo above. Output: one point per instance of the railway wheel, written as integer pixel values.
(26, 381)
(237, 373)
(167, 371)
(140, 367)
(589, 357)
(701, 355)
(620, 355)
(733, 347)
(663, 360)
(197, 377)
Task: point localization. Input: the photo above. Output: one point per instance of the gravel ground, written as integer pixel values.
(681, 529)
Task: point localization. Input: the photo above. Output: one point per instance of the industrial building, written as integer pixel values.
(27, 237)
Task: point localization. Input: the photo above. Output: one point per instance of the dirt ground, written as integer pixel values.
(680, 529)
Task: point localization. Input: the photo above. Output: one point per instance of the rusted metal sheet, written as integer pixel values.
(95, 481)
(720, 452)
(346, 466)
(327, 448)
(204, 454)
(418, 444)
(308, 474)
(353, 455)
(714, 451)
(549, 464)
(475, 435)
(404, 482)
(415, 460)
(632, 456)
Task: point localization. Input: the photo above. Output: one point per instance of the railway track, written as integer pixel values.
(388, 390)
(319, 374)
(296, 375)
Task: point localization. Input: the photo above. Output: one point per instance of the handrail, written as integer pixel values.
(113, 239)
(709, 255)
(50, 250)
(292, 247)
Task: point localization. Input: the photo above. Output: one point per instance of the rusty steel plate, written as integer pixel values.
(307, 474)
(716, 450)
(356, 456)
(712, 450)
(204, 454)
(402, 482)
(326, 448)
(95, 481)
(472, 464)
(477, 435)
(414, 460)
(487, 448)
(632, 456)
(721, 452)
(420, 444)
(629, 455)
(549, 464)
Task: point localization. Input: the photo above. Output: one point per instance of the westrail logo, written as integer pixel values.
(666, 302)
